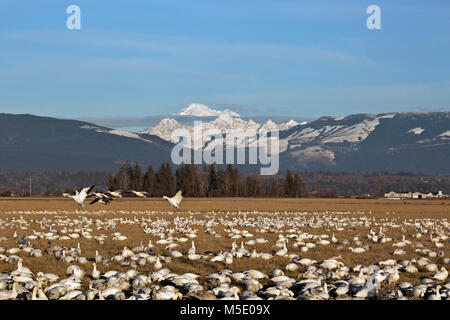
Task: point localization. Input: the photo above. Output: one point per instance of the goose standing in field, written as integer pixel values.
(192, 249)
(282, 252)
(95, 273)
(175, 200)
(6, 294)
(38, 294)
(442, 275)
(157, 265)
(80, 196)
(436, 295)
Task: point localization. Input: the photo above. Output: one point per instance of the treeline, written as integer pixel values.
(221, 181)
(227, 181)
(49, 183)
(206, 181)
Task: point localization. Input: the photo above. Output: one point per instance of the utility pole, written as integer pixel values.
(30, 187)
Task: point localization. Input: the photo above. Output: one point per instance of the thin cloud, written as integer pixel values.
(239, 108)
(191, 48)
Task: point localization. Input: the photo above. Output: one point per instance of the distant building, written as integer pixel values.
(413, 195)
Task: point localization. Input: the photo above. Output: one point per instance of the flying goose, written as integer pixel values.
(80, 196)
(116, 194)
(101, 198)
(175, 200)
(140, 194)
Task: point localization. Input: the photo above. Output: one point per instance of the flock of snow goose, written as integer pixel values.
(133, 255)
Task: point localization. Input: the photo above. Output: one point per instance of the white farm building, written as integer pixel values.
(413, 195)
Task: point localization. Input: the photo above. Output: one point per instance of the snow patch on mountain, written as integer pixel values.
(201, 110)
(288, 125)
(445, 135)
(338, 133)
(314, 154)
(355, 133)
(164, 129)
(418, 130)
(122, 133)
(269, 126)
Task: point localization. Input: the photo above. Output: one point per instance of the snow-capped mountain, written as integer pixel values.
(164, 129)
(200, 110)
(407, 142)
(223, 122)
(289, 124)
(393, 142)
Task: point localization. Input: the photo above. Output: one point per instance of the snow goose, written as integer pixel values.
(116, 194)
(140, 194)
(174, 253)
(38, 294)
(393, 277)
(101, 198)
(76, 271)
(6, 294)
(95, 273)
(436, 295)
(175, 200)
(192, 249)
(357, 250)
(442, 275)
(80, 196)
(282, 252)
(157, 265)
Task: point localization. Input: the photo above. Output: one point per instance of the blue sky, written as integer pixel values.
(300, 58)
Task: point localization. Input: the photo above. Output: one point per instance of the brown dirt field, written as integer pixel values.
(423, 208)
(33, 210)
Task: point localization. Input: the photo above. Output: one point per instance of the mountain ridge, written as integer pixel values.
(387, 142)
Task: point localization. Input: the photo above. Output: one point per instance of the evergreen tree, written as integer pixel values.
(289, 189)
(299, 185)
(149, 181)
(138, 178)
(212, 181)
(221, 182)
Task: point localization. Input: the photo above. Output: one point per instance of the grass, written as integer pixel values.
(57, 210)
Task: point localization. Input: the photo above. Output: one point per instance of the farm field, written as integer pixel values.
(225, 248)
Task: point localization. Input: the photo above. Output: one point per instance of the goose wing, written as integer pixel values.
(87, 190)
(107, 200)
(178, 197)
(84, 192)
(94, 201)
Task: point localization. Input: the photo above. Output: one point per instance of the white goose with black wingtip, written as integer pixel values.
(175, 200)
(80, 196)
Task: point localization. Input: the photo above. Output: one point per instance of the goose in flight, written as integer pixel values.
(116, 194)
(99, 195)
(80, 196)
(140, 194)
(175, 200)
(101, 199)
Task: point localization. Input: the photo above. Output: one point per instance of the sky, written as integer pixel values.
(139, 58)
